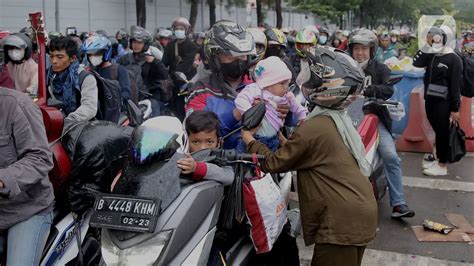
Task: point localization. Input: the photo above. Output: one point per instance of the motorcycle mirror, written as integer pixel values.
(394, 80)
(134, 113)
(253, 117)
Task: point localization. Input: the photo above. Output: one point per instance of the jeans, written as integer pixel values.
(26, 240)
(271, 142)
(392, 167)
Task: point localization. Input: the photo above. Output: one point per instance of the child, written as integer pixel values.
(272, 78)
(202, 128)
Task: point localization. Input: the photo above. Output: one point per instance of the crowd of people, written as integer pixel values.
(228, 69)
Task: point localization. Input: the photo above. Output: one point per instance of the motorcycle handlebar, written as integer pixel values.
(233, 155)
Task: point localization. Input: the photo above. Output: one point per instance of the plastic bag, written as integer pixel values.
(397, 112)
(457, 144)
(266, 208)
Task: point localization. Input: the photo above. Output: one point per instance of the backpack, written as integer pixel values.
(135, 75)
(467, 86)
(109, 94)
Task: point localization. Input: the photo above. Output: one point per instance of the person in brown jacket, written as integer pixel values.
(338, 207)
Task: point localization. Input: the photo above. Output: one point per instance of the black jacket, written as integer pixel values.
(152, 73)
(379, 89)
(186, 52)
(444, 70)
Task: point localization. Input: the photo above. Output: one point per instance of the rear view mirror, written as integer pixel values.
(134, 113)
(253, 117)
(394, 80)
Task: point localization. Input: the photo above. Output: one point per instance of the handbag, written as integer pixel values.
(457, 143)
(437, 91)
(266, 208)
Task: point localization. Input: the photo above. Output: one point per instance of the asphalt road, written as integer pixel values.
(431, 198)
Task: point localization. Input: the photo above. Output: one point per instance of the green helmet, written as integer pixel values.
(364, 37)
(304, 36)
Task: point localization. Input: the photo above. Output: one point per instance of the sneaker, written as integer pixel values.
(401, 211)
(428, 164)
(436, 170)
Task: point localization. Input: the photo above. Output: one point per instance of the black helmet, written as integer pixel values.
(71, 30)
(276, 36)
(199, 35)
(84, 36)
(364, 37)
(122, 33)
(20, 41)
(141, 35)
(102, 32)
(334, 76)
(230, 38)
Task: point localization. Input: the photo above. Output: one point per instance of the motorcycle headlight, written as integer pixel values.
(145, 253)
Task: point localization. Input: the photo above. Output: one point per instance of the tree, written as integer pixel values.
(279, 16)
(212, 11)
(193, 13)
(141, 13)
(260, 17)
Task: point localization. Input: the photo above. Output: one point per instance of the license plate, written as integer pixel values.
(125, 213)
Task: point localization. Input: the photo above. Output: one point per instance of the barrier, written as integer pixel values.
(402, 94)
(418, 135)
(466, 122)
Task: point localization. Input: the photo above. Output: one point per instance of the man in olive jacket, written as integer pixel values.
(26, 194)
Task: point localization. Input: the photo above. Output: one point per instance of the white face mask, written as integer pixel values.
(16, 54)
(394, 39)
(323, 39)
(180, 34)
(95, 60)
(437, 47)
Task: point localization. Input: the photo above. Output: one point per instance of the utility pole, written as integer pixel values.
(56, 14)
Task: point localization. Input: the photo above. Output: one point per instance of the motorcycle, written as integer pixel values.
(71, 240)
(155, 216)
(367, 127)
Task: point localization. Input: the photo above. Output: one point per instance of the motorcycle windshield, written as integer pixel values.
(153, 141)
(154, 172)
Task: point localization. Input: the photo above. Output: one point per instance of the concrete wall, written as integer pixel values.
(110, 15)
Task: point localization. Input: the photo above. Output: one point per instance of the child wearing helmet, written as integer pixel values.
(272, 78)
(329, 157)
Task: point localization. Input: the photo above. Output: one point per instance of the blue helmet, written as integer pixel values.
(97, 43)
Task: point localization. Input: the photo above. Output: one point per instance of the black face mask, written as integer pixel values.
(234, 70)
(273, 51)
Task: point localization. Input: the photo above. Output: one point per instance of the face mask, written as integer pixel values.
(323, 39)
(394, 39)
(180, 34)
(437, 47)
(234, 70)
(95, 60)
(363, 64)
(16, 54)
(272, 51)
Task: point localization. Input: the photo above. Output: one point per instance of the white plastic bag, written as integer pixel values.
(397, 112)
(266, 208)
